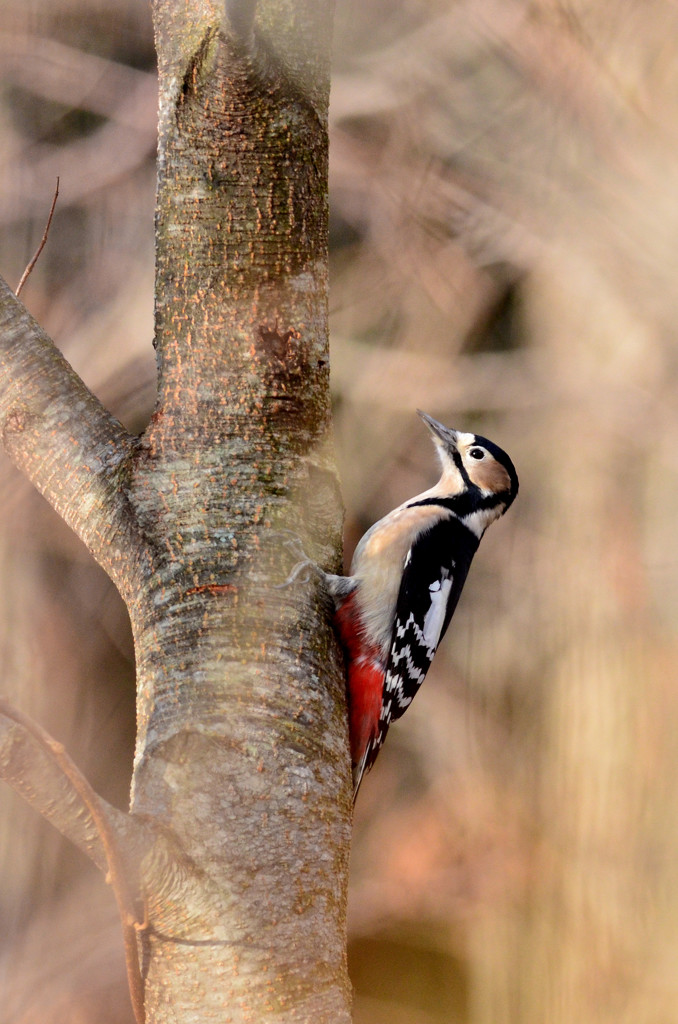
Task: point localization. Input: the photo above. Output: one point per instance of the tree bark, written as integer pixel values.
(241, 765)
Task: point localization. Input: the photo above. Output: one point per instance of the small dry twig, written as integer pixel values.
(116, 875)
(30, 266)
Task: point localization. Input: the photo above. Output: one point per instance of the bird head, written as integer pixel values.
(475, 469)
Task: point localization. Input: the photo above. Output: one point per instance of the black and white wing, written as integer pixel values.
(435, 572)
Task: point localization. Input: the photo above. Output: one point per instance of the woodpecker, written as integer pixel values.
(406, 577)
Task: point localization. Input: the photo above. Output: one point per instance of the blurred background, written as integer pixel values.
(504, 234)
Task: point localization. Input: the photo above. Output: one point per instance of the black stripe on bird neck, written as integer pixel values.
(464, 504)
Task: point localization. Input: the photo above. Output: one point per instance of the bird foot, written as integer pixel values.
(305, 567)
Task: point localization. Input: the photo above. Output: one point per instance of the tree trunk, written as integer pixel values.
(241, 735)
(241, 768)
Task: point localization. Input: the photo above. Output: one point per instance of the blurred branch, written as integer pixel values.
(88, 165)
(70, 76)
(56, 431)
(127, 98)
(389, 377)
(80, 797)
(30, 771)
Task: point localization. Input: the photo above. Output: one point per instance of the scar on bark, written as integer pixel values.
(195, 66)
(16, 422)
(279, 347)
(212, 588)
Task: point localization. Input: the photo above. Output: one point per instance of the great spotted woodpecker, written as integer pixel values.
(406, 577)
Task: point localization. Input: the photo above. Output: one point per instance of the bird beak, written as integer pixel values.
(442, 433)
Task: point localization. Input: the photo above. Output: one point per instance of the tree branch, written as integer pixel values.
(43, 242)
(28, 758)
(240, 14)
(56, 431)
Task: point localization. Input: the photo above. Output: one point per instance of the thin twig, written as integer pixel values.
(30, 266)
(116, 875)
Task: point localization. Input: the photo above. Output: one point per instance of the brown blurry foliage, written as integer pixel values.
(503, 226)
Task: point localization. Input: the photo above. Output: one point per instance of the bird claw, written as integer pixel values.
(292, 542)
(304, 564)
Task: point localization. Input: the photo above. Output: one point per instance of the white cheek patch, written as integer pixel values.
(439, 592)
(477, 522)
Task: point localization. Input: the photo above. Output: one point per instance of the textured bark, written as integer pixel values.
(241, 765)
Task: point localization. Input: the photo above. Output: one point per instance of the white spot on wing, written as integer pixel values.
(435, 616)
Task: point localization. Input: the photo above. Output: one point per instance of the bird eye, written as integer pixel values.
(477, 453)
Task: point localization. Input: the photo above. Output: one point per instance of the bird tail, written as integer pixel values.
(359, 771)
